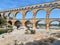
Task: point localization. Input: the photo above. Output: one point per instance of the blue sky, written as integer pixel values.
(6, 4)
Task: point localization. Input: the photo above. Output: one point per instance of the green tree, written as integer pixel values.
(2, 22)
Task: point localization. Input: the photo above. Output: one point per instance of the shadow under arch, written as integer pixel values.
(55, 25)
(0, 15)
(28, 24)
(18, 24)
(40, 24)
(10, 22)
(41, 13)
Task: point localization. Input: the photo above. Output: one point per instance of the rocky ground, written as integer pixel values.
(18, 37)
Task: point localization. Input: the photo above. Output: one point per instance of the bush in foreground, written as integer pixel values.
(5, 31)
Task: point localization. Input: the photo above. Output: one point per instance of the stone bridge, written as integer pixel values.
(34, 8)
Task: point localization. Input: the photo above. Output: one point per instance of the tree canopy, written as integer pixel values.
(2, 21)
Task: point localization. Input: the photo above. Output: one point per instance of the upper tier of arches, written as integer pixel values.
(41, 13)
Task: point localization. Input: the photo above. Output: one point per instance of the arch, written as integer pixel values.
(54, 13)
(18, 24)
(18, 15)
(56, 4)
(55, 25)
(5, 16)
(0, 15)
(29, 14)
(41, 14)
(45, 5)
(36, 6)
(50, 5)
(54, 21)
(10, 22)
(10, 16)
(40, 24)
(28, 24)
(41, 6)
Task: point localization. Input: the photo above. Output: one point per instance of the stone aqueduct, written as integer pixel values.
(34, 8)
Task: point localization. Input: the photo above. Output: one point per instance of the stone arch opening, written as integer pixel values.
(5, 16)
(10, 16)
(0, 15)
(50, 5)
(29, 15)
(54, 25)
(56, 4)
(41, 14)
(10, 22)
(18, 24)
(28, 24)
(54, 13)
(40, 25)
(19, 15)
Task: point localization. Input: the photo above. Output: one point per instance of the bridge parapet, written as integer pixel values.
(41, 19)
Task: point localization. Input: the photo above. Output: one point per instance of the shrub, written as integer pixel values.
(2, 22)
(9, 31)
(10, 26)
(3, 31)
(32, 31)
